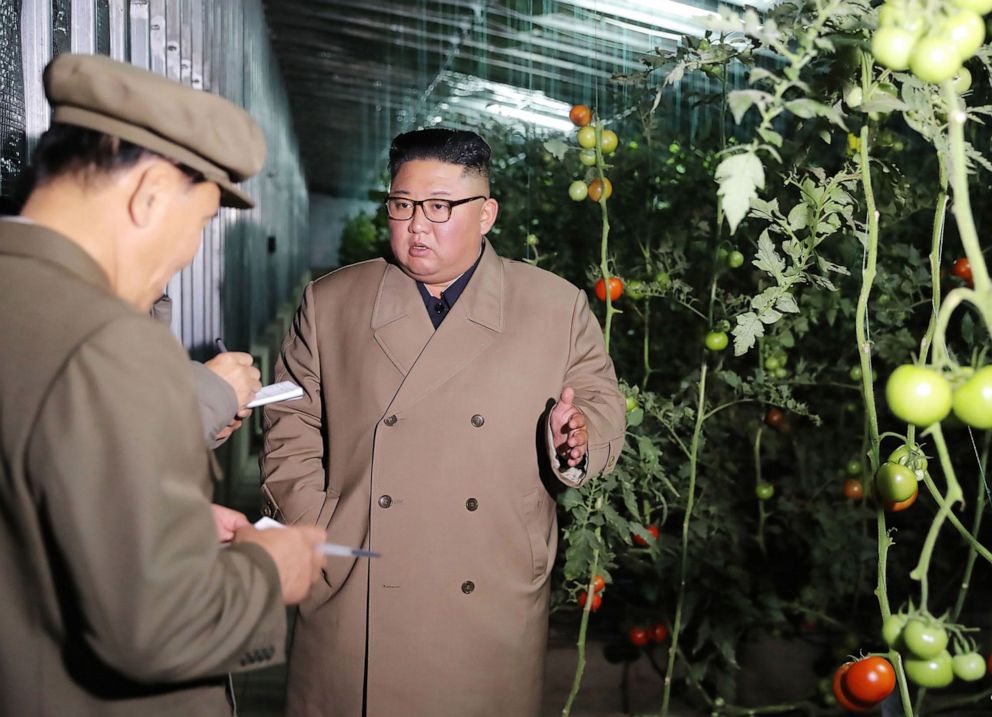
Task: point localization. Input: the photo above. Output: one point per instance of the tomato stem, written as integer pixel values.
(762, 513)
(684, 559)
(975, 528)
(604, 267)
(583, 626)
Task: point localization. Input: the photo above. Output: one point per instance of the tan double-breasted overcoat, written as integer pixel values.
(430, 447)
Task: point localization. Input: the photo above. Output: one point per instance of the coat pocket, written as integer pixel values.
(538, 520)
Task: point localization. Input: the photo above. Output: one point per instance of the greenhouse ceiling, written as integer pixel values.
(358, 72)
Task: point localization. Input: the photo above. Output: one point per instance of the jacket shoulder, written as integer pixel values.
(535, 279)
(348, 278)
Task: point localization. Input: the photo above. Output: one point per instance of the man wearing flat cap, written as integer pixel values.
(119, 598)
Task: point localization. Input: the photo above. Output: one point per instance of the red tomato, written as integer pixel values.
(962, 269)
(659, 632)
(598, 584)
(580, 115)
(892, 507)
(597, 188)
(853, 489)
(870, 680)
(597, 601)
(843, 698)
(616, 289)
(775, 417)
(653, 530)
(638, 636)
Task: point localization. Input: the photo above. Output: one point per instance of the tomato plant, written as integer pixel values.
(717, 340)
(653, 530)
(598, 584)
(892, 629)
(935, 59)
(659, 632)
(578, 190)
(608, 141)
(735, 259)
(597, 601)
(638, 636)
(844, 699)
(924, 639)
(581, 115)
(764, 491)
(599, 189)
(972, 401)
(895, 483)
(870, 680)
(853, 489)
(586, 137)
(968, 666)
(931, 672)
(775, 417)
(898, 506)
(918, 395)
(962, 270)
(616, 289)
(587, 157)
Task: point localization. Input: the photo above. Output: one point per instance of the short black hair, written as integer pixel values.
(452, 146)
(66, 149)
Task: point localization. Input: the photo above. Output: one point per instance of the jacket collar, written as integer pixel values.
(427, 358)
(24, 238)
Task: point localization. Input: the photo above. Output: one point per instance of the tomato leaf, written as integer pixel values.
(748, 330)
(768, 259)
(740, 177)
(556, 147)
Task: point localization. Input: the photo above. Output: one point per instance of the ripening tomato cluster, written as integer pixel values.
(933, 42)
(923, 642)
(860, 685)
(598, 586)
(922, 396)
(582, 117)
(641, 636)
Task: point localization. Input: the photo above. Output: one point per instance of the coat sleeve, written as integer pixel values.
(292, 459)
(120, 475)
(218, 402)
(590, 372)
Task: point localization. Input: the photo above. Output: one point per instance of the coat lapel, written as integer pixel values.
(399, 321)
(474, 322)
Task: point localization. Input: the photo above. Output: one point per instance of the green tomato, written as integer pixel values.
(578, 190)
(918, 395)
(662, 279)
(608, 141)
(933, 672)
(935, 59)
(855, 373)
(717, 340)
(772, 363)
(973, 399)
(924, 640)
(910, 456)
(853, 467)
(722, 325)
(895, 483)
(969, 667)
(588, 157)
(780, 373)
(965, 32)
(982, 7)
(632, 144)
(893, 47)
(632, 404)
(735, 259)
(961, 82)
(892, 630)
(764, 491)
(636, 290)
(586, 137)
(532, 240)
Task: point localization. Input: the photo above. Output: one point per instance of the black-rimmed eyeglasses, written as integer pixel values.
(436, 210)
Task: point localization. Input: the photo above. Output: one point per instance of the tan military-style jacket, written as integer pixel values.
(430, 447)
(117, 598)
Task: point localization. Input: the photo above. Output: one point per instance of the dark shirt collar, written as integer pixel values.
(438, 308)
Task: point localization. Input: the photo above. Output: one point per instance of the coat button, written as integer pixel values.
(267, 510)
(385, 501)
(468, 586)
(472, 504)
(390, 420)
(478, 420)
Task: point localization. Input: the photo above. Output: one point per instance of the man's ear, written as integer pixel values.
(149, 187)
(487, 218)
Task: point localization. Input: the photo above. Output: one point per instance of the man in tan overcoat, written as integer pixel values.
(444, 393)
(118, 598)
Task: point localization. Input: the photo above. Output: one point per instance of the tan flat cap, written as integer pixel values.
(197, 129)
